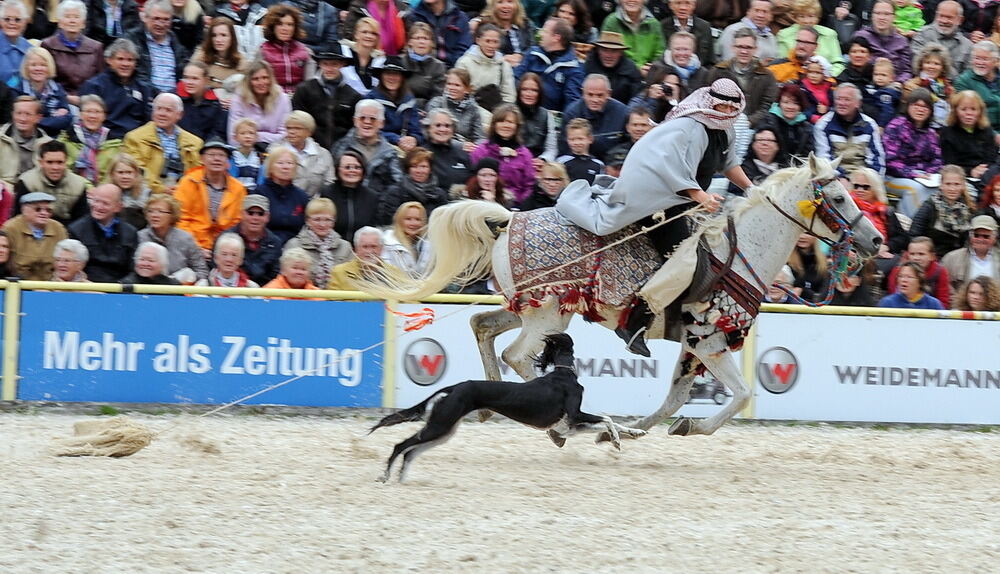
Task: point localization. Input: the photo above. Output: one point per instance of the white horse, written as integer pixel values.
(792, 201)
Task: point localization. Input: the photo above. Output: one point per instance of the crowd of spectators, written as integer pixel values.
(250, 143)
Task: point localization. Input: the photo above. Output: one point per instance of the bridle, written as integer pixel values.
(821, 208)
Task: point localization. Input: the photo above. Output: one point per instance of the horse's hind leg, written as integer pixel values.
(487, 327)
(723, 366)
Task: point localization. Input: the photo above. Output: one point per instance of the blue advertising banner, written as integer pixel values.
(174, 349)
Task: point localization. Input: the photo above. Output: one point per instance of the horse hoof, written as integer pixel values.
(484, 415)
(557, 439)
(383, 478)
(604, 436)
(681, 427)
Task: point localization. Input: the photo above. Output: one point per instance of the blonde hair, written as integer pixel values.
(982, 122)
(373, 24)
(304, 119)
(957, 171)
(245, 91)
(397, 223)
(874, 180)
(491, 6)
(126, 159)
(273, 156)
(172, 204)
(884, 63)
(556, 170)
(810, 7)
(795, 260)
(41, 53)
(242, 122)
(320, 205)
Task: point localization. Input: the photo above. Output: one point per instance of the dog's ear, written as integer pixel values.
(555, 344)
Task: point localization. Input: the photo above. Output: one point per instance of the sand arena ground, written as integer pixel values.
(297, 494)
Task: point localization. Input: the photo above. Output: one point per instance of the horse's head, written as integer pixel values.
(828, 211)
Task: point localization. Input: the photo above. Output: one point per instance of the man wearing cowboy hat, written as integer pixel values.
(326, 97)
(33, 236)
(609, 59)
(981, 257)
(210, 198)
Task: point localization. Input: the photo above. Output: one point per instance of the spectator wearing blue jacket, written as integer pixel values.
(606, 115)
(129, 101)
(37, 79)
(555, 61)
(402, 118)
(450, 25)
(13, 46)
(286, 201)
(846, 132)
(320, 21)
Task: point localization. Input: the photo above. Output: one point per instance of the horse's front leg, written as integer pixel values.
(680, 391)
(723, 365)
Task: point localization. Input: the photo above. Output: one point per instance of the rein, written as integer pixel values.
(840, 250)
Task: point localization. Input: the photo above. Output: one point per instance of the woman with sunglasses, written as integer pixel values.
(869, 195)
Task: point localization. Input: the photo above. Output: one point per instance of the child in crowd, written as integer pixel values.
(909, 18)
(933, 67)
(246, 160)
(579, 163)
(818, 87)
(881, 99)
(921, 253)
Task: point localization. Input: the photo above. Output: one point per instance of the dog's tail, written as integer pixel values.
(414, 413)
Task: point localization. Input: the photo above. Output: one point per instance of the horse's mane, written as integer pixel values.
(773, 188)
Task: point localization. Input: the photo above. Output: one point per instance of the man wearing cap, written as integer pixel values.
(33, 236)
(609, 60)
(162, 148)
(640, 32)
(262, 247)
(210, 198)
(111, 241)
(19, 140)
(606, 115)
(52, 177)
(327, 97)
(981, 257)
(756, 81)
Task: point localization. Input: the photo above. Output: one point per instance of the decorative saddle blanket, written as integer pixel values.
(541, 250)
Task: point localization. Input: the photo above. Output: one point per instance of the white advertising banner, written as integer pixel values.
(616, 381)
(884, 369)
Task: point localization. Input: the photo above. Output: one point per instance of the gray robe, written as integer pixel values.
(661, 164)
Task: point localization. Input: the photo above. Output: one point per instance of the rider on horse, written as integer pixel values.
(668, 169)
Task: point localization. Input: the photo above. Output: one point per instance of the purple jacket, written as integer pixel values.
(909, 149)
(517, 173)
(895, 47)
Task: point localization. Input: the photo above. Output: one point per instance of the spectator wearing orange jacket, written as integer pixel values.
(211, 199)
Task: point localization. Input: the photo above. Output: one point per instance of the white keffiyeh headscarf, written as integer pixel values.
(700, 105)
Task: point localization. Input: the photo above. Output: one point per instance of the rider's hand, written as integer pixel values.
(710, 201)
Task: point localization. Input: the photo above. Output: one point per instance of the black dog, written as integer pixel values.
(550, 402)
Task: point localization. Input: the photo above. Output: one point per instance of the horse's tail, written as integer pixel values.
(461, 235)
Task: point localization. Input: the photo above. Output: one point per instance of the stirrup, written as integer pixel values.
(636, 340)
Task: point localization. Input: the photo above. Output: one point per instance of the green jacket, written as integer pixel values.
(105, 155)
(645, 41)
(968, 80)
(829, 46)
